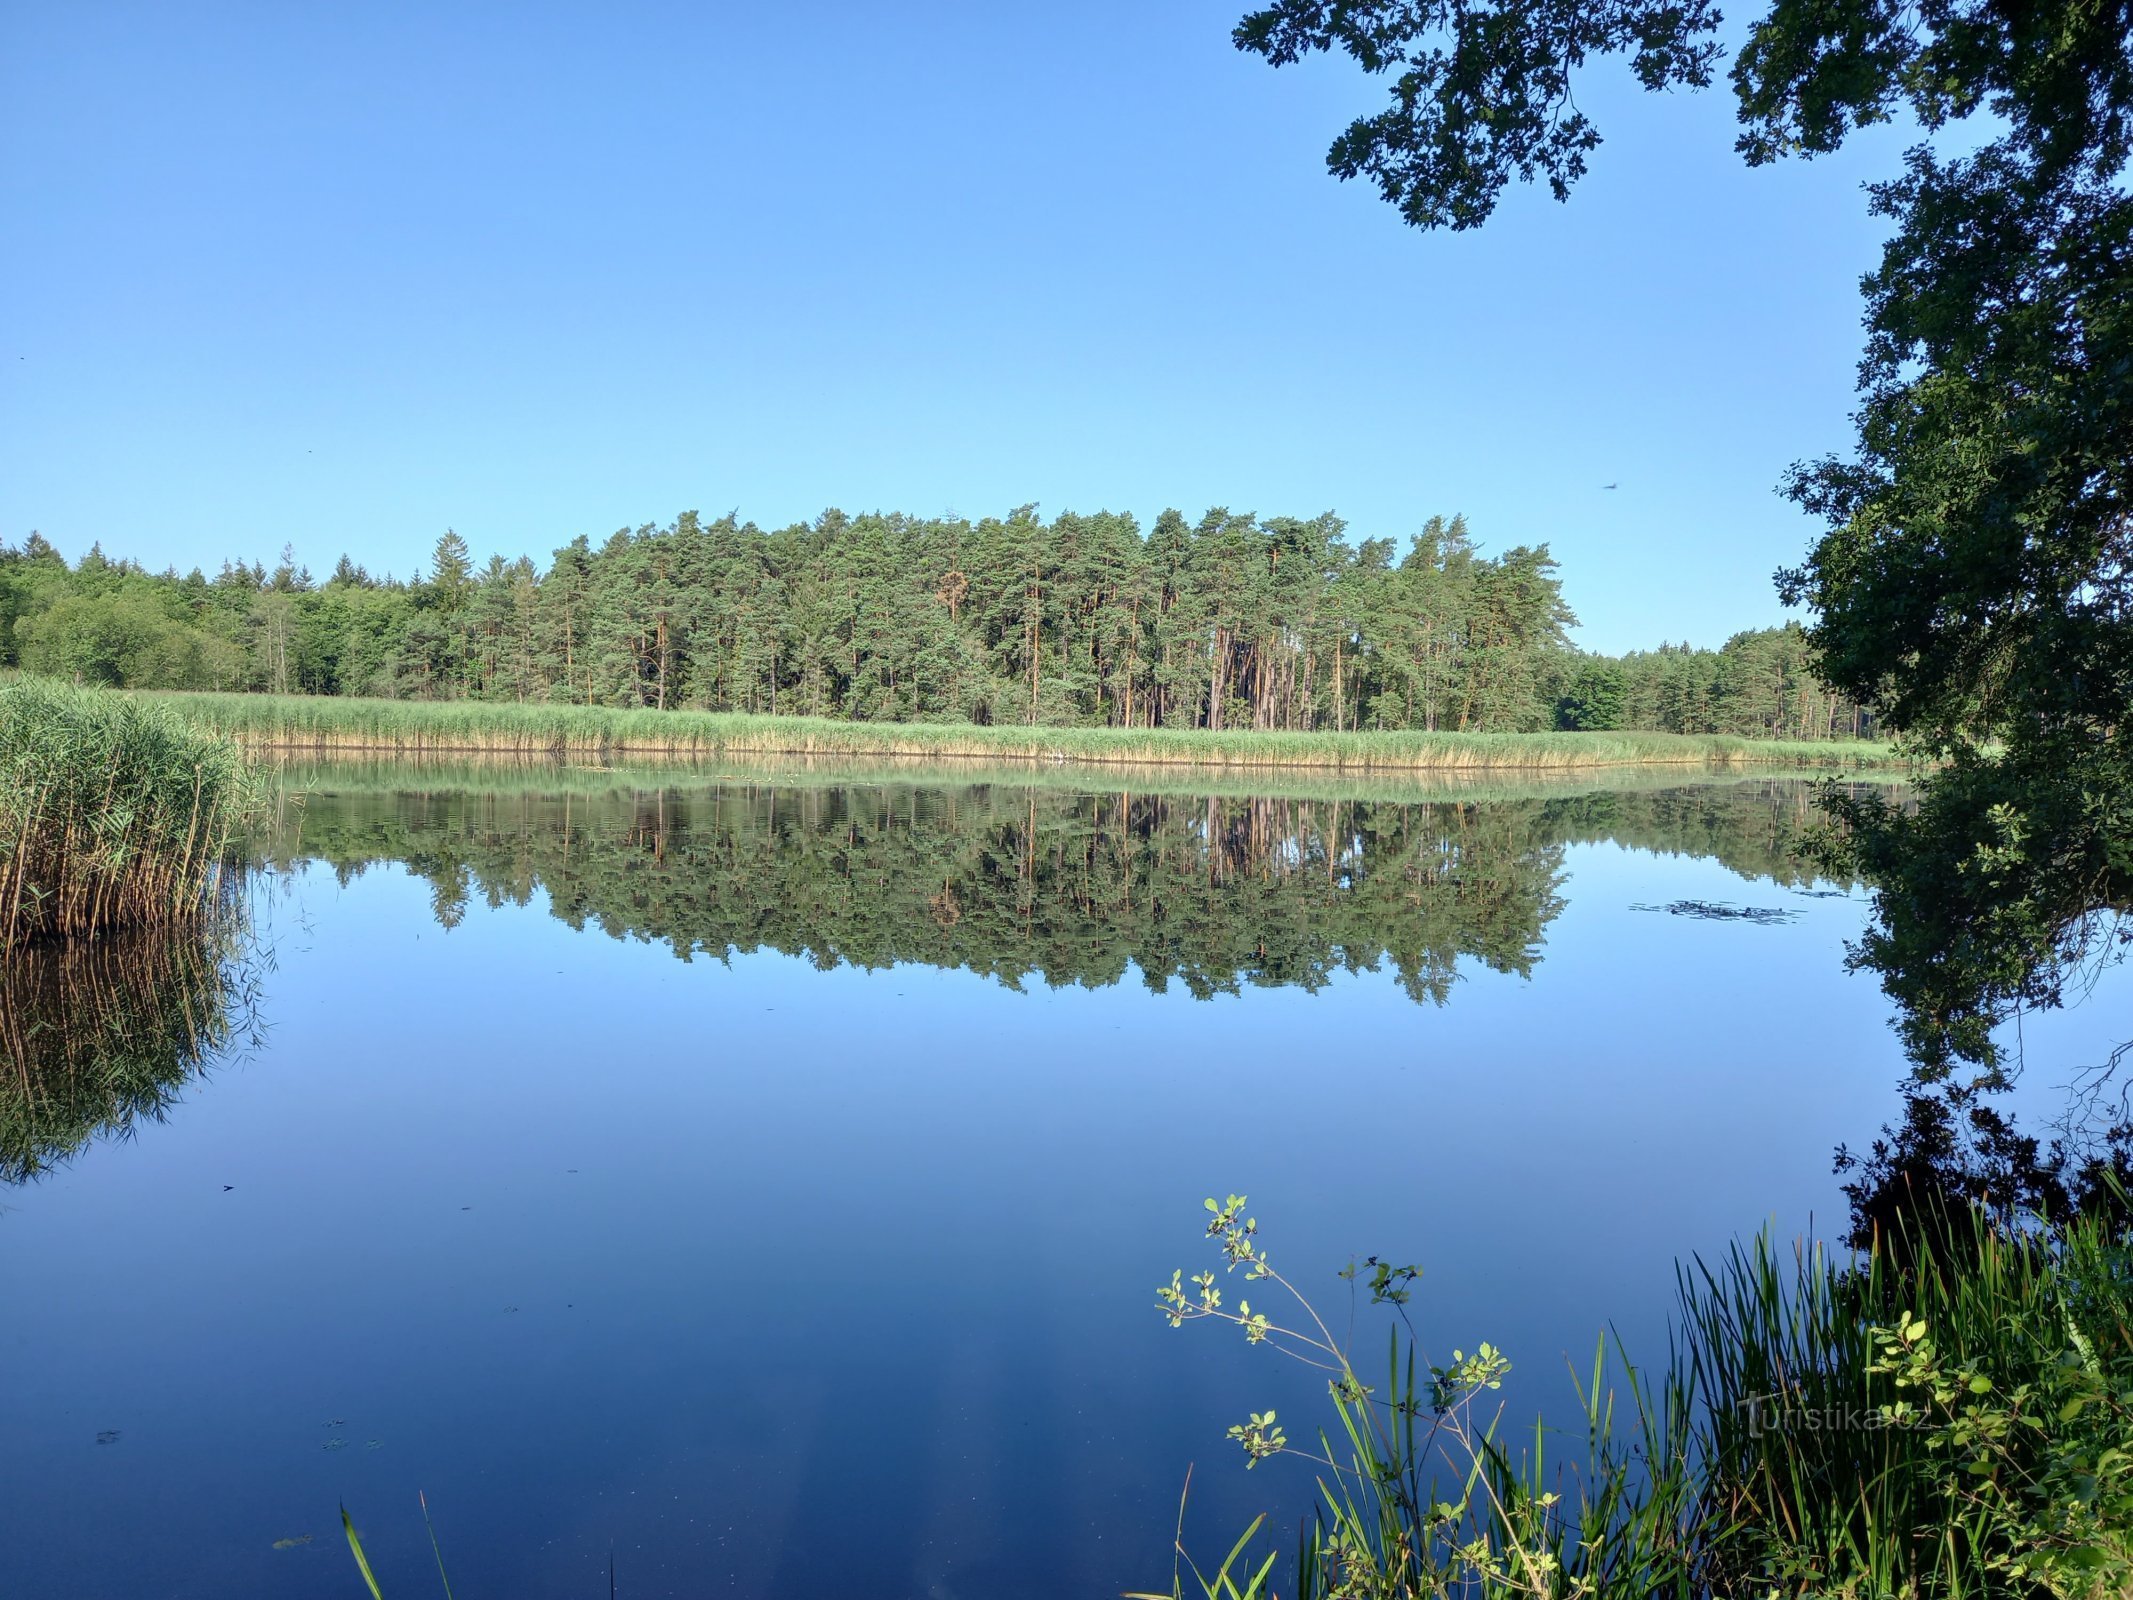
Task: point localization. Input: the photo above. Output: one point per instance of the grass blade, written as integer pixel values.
(362, 1561)
(439, 1553)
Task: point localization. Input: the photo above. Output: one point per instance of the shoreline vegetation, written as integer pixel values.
(1943, 1415)
(347, 725)
(296, 771)
(114, 813)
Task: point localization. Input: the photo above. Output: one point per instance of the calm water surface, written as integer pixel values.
(768, 1183)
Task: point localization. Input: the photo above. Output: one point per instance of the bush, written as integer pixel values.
(125, 641)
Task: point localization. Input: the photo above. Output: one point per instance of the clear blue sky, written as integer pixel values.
(341, 276)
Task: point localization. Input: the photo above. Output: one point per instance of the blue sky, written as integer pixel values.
(342, 276)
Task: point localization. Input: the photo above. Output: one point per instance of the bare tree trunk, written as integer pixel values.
(1215, 675)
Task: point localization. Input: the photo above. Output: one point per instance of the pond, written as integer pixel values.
(763, 1179)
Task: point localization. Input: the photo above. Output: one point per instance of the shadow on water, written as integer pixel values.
(99, 1036)
(1021, 881)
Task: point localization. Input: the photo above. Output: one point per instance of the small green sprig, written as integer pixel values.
(1261, 1437)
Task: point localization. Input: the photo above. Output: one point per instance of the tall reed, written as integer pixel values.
(114, 812)
(328, 723)
(300, 771)
(1950, 1415)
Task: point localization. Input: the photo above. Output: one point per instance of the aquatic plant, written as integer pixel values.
(362, 1559)
(1420, 1492)
(333, 723)
(293, 771)
(114, 812)
(370, 1578)
(1951, 1419)
(1951, 1413)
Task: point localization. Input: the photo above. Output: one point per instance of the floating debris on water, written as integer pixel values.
(373, 1444)
(1719, 911)
(291, 1544)
(334, 1444)
(108, 1436)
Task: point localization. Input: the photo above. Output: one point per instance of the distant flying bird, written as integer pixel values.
(1610, 486)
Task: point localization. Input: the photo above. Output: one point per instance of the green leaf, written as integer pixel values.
(362, 1561)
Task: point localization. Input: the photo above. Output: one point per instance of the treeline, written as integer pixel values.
(1235, 622)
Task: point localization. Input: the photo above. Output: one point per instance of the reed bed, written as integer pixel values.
(114, 812)
(1949, 1416)
(346, 725)
(295, 771)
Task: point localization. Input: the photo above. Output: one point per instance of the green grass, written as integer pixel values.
(114, 812)
(1947, 1419)
(362, 1557)
(323, 724)
(1999, 1356)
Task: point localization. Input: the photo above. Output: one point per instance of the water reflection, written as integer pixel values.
(1017, 880)
(569, 1228)
(1954, 1148)
(98, 1036)
(1210, 891)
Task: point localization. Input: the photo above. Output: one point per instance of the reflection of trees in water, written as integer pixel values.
(98, 1035)
(1954, 1148)
(1021, 882)
(1213, 892)
(1754, 829)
